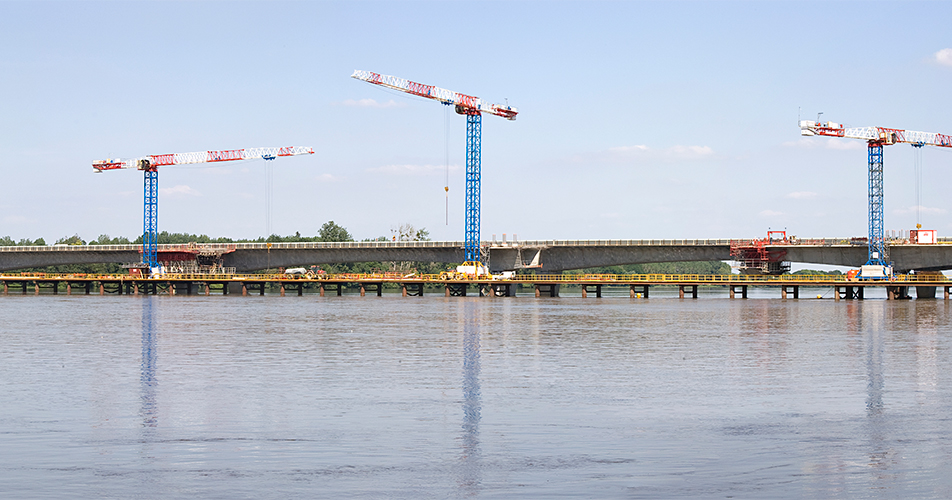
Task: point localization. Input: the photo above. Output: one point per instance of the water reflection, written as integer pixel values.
(147, 380)
(470, 476)
(880, 452)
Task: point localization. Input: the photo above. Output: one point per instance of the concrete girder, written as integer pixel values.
(553, 256)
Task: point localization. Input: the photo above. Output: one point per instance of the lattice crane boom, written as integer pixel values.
(463, 101)
(144, 162)
(150, 197)
(473, 108)
(876, 138)
(886, 135)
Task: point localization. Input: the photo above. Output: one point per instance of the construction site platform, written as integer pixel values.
(639, 285)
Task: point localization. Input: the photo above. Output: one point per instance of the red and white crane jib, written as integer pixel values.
(464, 101)
(886, 135)
(151, 161)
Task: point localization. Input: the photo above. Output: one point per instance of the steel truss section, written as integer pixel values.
(877, 243)
(473, 181)
(150, 216)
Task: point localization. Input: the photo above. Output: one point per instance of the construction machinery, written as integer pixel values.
(756, 257)
(149, 166)
(877, 265)
(473, 108)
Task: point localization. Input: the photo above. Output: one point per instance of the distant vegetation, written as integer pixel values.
(715, 267)
(813, 272)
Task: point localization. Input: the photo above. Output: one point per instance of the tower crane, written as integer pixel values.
(876, 138)
(473, 108)
(149, 166)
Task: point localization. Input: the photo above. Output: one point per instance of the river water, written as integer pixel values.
(432, 397)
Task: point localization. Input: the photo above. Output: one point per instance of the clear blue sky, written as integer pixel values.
(637, 119)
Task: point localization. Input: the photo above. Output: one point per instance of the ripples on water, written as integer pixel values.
(392, 397)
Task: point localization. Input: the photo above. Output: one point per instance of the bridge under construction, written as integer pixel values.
(548, 256)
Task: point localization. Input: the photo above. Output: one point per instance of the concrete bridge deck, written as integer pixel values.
(550, 256)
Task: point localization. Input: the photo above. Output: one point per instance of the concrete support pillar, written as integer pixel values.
(447, 286)
(945, 289)
(282, 290)
(244, 289)
(836, 294)
(794, 288)
(598, 291)
(897, 292)
(633, 293)
(135, 289)
(69, 289)
(412, 289)
(6, 289)
(743, 290)
(102, 288)
(171, 289)
(682, 289)
(363, 290)
(321, 289)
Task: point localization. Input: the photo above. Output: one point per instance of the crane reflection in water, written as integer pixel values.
(470, 461)
(147, 380)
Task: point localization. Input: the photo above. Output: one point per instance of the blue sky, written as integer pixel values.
(637, 119)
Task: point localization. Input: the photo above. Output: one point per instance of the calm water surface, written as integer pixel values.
(349, 397)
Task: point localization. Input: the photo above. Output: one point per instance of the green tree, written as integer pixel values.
(7, 241)
(70, 240)
(331, 231)
(104, 239)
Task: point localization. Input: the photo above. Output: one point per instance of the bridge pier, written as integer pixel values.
(850, 292)
(456, 289)
(897, 293)
(598, 291)
(551, 289)
(693, 291)
(784, 291)
(374, 287)
(501, 289)
(411, 289)
(743, 290)
(644, 291)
